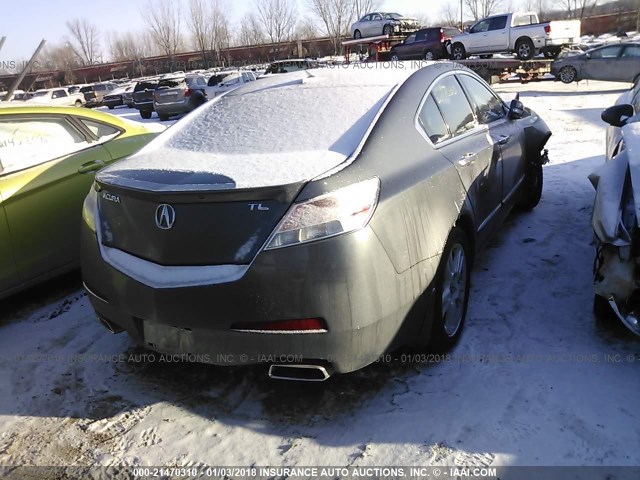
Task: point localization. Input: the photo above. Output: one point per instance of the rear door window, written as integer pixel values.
(103, 131)
(607, 52)
(631, 51)
(453, 104)
(431, 121)
(498, 23)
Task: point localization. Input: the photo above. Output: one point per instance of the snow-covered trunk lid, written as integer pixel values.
(225, 227)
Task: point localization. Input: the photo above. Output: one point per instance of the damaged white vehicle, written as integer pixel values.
(615, 224)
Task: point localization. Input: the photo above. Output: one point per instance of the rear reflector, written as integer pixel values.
(305, 325)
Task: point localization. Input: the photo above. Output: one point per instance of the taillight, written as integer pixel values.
(441, 35)
(547, 29)
(342, 211)
(306, 325)
(187, 92)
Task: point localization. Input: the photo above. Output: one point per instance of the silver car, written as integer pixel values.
(179, 94)
(380, 23)
(619, 62)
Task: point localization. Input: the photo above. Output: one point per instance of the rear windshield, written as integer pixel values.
(171, 82)
(216, 79)
(298, 131)
(87, 89)
(450, 32)
(145, 86)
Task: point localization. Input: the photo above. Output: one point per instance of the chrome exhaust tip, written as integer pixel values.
(112, 327)
(299, 372)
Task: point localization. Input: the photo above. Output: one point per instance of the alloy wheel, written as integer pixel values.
(454, 290)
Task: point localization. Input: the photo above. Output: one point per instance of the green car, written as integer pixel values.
(48, 158)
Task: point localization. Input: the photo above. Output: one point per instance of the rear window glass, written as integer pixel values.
(216, 79)
(432, 121)
(87, 89)
(171, 82)
(145, 86)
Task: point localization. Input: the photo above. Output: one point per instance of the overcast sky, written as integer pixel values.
(46, 19)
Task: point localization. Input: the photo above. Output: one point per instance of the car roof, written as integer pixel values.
(614, 44)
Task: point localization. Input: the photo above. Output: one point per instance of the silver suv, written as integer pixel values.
(179, 94)
(93, 94)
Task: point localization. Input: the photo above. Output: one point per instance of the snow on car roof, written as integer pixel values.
(280, 130)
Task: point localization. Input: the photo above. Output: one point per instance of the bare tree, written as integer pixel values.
(450, 15)
(538, 6)
(278, 17)
(578, 8)
(84, 40)
(362, 7)
(307, 29)
(209, 25)
(482, 8)
(250, 31)
(129, 46)
(336, 16)
(163, 20)
(57, 57)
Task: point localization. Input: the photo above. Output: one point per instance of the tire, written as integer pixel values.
(146, 114)
(486, 57)
(525, 49)
(567, 74)
(429, 55)
(452, 286)
(163, 118)
(357, 35)
(603, 311)
(551, 53)
(111, 107)
(78, 103)
(458, 52)
(395, 58)
(532, 187)
(387, 30)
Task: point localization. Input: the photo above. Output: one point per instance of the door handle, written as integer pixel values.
(466, 159)
(91, 166)
(503, 139)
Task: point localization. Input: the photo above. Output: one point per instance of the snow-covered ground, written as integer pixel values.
(535, 380)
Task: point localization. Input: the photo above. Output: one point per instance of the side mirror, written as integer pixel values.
(617, 115)
(516, 109)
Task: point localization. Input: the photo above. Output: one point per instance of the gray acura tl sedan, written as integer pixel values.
(313, 220)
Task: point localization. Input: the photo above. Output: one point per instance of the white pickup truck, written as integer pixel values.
(519, 33)
(58, 97)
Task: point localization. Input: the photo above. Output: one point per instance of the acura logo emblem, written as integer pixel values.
(165, 216)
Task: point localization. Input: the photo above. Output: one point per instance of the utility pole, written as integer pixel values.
(461, 16)
(24, 71)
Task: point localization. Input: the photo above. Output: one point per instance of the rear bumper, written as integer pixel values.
(172, 108)
(144, 106)
(347, 281)
(559, 42)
